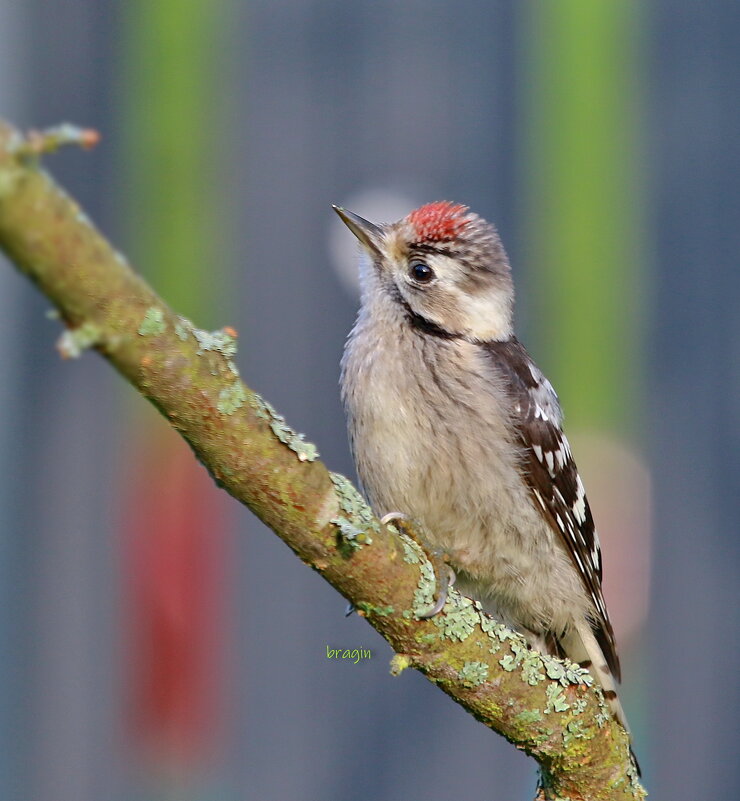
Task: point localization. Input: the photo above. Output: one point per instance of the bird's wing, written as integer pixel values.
(552, 476)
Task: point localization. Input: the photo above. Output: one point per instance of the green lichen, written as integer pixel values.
(566, 672)
(533, 663)
(556, 701)
(497, 632)
(537, 667)
(218, 341)
(424, 592)
(182, 326)
(519, 652)
(578, 675)
(221, 341)
(532, 669)
(231, 398)
(262, 408)
(528, 717)
(357, 524)
(399, 663)
(487, 623)
(579, 706)
(153, 322)
(31, 147)
(573, 731)
(413, 553)
(351, 502)
(459, 616)
(555, 670)
(604, 715)
(75, 340)
(509, 663)
(371, 609)
(305, 451)
(351, 535)
(602, 718)
(473, 674)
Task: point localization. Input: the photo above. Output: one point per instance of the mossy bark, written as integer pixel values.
(543, 706)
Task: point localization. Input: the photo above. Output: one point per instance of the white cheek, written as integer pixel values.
(366, 274)
(487, 316)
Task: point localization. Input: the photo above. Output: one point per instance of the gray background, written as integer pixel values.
(317, 111)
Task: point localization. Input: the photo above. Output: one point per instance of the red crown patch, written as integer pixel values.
(439, 222)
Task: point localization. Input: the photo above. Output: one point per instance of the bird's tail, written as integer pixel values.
(580, 645)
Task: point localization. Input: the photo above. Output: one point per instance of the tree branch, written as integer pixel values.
(543, 705)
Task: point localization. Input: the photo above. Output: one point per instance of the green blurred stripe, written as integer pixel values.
(172, 137)
(584, 208)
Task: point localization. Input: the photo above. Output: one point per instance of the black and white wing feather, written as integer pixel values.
(552, 476)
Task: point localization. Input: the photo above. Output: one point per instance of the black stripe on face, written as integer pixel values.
(425, 325)
(417, 321)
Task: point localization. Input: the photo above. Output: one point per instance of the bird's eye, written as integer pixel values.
(421, 272)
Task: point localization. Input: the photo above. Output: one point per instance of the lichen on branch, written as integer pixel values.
(544, 706)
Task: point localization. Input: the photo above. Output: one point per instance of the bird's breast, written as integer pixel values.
(431, 438)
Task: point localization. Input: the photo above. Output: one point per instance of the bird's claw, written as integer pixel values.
(444, 578)
(392, 517)
(444, 575)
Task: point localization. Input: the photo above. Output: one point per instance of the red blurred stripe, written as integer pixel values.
(175, 569)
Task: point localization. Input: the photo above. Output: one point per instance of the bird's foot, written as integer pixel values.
(444, 575)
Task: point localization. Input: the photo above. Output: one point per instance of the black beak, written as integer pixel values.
(368, 233)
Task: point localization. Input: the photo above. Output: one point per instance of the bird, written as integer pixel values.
(452, 424)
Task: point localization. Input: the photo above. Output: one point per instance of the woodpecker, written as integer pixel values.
(453, 424)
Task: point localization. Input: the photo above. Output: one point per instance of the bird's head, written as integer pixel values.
(444, 266)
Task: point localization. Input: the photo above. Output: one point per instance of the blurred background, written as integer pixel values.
(159, 643)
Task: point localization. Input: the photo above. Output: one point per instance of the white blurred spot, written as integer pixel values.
(376, 205)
